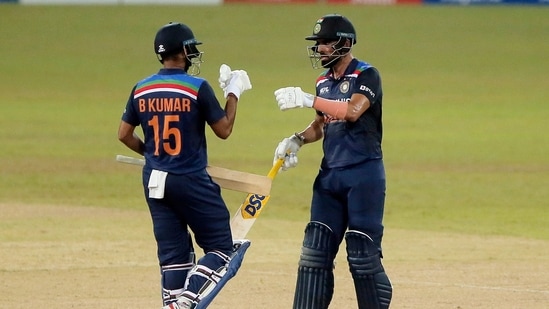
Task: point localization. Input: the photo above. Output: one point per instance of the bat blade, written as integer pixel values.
(251, 208)
(253, 204)
(130, 160)
(224, 177)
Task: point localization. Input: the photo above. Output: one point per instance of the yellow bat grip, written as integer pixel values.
(276, 167)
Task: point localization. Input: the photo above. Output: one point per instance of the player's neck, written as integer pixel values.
(174, 63)
(339, 69)
(180, 66)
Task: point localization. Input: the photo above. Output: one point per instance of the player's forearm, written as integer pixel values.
(134, 143)
(128, 137)
(230, 108)
(336, 109)
(224, 127)
(350, 111)
(313, 132)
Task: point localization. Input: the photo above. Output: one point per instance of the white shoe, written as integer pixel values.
(181, 303)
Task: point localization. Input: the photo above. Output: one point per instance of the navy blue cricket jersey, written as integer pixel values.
(173, 108)
(348, 143)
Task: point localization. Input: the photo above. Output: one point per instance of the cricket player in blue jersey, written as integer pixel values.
(349, 190)
(173, 107)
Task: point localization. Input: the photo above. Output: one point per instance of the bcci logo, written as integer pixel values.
(317, 27)
(344, 87)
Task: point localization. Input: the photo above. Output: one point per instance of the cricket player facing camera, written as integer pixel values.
(349, 190)
(173, 107)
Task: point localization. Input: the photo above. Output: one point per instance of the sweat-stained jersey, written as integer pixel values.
(349, 143)
(173, 108)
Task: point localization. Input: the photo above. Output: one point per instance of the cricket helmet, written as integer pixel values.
(336, 29)
(173, 38)
(333, 27)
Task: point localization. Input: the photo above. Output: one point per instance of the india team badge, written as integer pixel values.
(317, 27)
(344, 87)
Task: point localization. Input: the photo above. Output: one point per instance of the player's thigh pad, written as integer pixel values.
(373, 288)
(315, 278)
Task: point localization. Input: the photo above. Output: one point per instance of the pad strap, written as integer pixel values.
(174, 277)
(173, 281)
(212, 287)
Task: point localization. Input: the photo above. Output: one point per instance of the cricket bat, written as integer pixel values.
(258, 189)
(224, 177)
(251, 208)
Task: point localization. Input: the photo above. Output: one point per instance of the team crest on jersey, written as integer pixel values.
(344, 87)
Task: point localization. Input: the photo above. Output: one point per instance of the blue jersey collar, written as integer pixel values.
(165, 71)
(350, 69)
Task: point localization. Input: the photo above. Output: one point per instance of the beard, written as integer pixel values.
(329, 62)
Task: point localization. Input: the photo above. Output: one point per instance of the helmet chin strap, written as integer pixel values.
(335, 56)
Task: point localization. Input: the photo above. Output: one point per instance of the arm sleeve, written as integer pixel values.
(208, 104)
(130, 114)
(368, 83)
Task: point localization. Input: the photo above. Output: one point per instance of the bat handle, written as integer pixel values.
(276, 167)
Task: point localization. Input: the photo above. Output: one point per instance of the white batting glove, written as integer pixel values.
(287, 149)
(238, 83)
(293, 97)
(235, 82)
(224, 76)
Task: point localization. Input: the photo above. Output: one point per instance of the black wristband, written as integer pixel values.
(300, 137)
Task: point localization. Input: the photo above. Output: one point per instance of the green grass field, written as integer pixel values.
(465, 112)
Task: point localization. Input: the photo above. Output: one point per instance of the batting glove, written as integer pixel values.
(224, 76)
(293, 97)
(287, 149)
(235, 82)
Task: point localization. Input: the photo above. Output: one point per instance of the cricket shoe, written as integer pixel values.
(181, 303)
